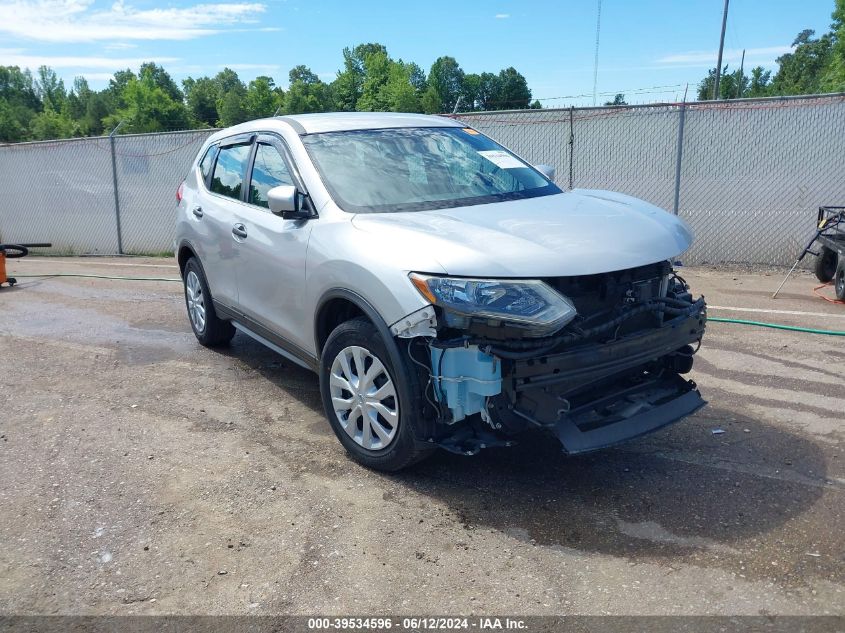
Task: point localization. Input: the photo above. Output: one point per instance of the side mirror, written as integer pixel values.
(284, 201)
(547, 170)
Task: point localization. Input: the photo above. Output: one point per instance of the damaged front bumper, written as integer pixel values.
(589, 392)
(603, 394)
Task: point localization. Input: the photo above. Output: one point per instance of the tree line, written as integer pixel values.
(816, 65)
(39, 106)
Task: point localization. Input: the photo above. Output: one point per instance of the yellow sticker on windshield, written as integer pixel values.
(469, 130)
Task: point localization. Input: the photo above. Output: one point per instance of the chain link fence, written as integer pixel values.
(103, 195)
(747, 175)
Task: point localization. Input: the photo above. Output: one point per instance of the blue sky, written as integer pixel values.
(649, 49)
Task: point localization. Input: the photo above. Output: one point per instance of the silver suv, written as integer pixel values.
(447, 292)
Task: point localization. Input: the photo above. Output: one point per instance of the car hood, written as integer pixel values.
(582, 232)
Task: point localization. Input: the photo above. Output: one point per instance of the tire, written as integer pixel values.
(839, 281)
(825, 267)
(377, 432)
(14, 251)
(209, 329)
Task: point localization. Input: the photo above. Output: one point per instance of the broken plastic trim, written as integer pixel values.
(423, 322)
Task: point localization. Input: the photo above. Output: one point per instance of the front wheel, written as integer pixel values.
(363, 398)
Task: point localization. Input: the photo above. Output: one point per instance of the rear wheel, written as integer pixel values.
(839, 282)
(825, 267)
(210, 330)
(370, 409)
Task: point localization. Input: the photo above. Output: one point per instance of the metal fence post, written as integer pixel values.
(682, 115)
(114, 185)
(571, 144)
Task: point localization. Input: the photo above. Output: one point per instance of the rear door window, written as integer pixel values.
(228, 178)
(268, 171)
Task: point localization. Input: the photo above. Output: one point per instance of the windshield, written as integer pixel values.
(415, 169)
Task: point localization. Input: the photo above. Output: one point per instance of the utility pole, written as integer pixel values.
(721, 48)
(596, 62)
(741, 75)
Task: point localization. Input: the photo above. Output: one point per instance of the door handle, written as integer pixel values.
(197, 211)
(239, 230)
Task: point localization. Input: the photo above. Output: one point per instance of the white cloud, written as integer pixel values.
(16, 57)
(502, 16)
(78, 21)
(119, 46)
(708, 58)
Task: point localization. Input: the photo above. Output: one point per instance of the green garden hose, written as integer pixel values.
(778, 326)
(101, 277)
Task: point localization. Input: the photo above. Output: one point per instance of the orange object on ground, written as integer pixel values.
(821, 296)
(13, 251)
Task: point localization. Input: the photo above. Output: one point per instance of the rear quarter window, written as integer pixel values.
(207, 162)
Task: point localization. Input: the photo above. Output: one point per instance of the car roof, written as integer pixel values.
(341, 121)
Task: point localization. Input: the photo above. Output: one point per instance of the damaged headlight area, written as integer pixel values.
(530, 306)
(593, 360)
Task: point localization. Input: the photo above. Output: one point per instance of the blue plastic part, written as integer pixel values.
(465, 378)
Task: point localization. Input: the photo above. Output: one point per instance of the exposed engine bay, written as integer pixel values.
(612, 372)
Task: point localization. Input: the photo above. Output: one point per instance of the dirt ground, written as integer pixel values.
(142, 473)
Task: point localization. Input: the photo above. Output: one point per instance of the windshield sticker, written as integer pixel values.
(501, 159)
(469, 130)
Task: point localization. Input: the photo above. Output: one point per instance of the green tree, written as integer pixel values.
(157, 76)
(400, 94)
(231, 94)
(303, 74)
(377, 68)
(232, 110)
(202, 95)
(469, 92)
(117, 85)
(18, 103)
(50, 124)
(147, 108)
(732, 85)
(512, 90)
(430, 102)
(262, 98)
(14, 122)
(50, 89)
(306, 93)
(488, 92)
(618, 100)
(759, 84)
(349, 84)
(96, 109)
(447, 78)
(227, 80)
(833, 78)
(801, 71)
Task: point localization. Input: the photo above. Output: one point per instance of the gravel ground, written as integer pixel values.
(145, 474)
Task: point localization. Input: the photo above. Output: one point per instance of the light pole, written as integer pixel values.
(721, 48)
(596, 61)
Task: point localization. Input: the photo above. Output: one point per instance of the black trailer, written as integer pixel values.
(830, 258)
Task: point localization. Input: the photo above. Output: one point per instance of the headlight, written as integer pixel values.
(529, 304)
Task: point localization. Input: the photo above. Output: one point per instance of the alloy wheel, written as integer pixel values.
(196, 301)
